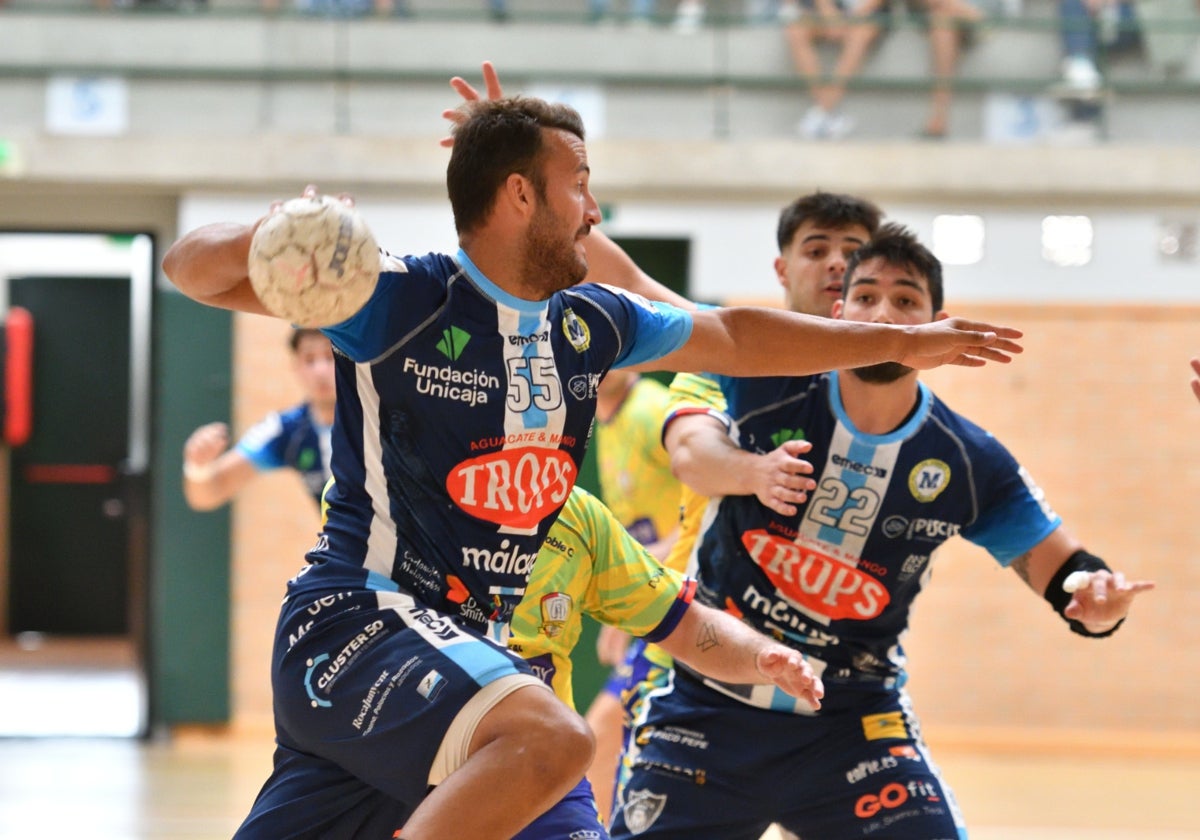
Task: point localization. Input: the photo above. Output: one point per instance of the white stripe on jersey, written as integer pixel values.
(381, 541)
(535, 399)
(843, 508)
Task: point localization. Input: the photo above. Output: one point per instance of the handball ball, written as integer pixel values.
(314, 262)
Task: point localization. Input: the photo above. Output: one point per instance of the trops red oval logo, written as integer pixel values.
(815, 580)
(517, 487)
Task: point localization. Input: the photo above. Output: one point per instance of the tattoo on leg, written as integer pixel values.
(707, 637)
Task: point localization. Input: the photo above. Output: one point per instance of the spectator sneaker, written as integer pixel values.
(1080, 73)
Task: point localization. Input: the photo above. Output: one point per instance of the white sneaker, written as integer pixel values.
(819, 124)
(689, 16)
(812, 124)
(789, 12)
(838, 125)
(1080, 73)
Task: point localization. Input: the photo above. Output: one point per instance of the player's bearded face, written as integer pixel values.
(882, 373)
(553, 260)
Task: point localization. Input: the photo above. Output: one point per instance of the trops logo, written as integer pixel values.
(816, 581)
(517, 487)
(453, 342)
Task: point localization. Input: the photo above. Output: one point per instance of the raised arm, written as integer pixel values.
(608, 263)
(212, 473)
(753, 341)
(721, 647)
(209, 265)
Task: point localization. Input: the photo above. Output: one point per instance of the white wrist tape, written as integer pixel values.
(199, 472)
(1076, 581)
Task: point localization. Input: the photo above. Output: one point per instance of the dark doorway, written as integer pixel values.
(73, 554)
(69, 544)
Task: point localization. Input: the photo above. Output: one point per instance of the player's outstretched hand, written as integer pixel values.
(781, 478)
(1101, 599)
(611, 644)
(467, 91)
(1196, 377)
(787, 669)
(204, 445)
(958, 341)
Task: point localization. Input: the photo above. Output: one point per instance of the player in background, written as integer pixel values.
(831, 565)
(297, 438)
(446, 482)
(637, 485)
(816, 234)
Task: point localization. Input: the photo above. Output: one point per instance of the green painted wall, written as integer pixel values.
(188, 657)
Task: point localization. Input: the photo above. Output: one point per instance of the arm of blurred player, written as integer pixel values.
(721, 647)
(213, 473)
(705, 457)
(1100, 604)
(611, 644)
(608, 263)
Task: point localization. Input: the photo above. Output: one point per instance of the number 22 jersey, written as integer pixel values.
(838, 579)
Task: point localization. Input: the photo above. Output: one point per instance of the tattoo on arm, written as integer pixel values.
(1021, 567)
(706, 639)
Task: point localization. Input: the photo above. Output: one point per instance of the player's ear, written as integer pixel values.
(839, 306)
(520, 193)
(941, 315)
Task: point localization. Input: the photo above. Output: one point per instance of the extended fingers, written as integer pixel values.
(491, 80)
(464, 88)
(992, 354)
(788, 670)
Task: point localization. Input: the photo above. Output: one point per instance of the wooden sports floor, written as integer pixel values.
(197, 786)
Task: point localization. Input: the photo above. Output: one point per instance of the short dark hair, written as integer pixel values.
(500, 137)
(898, 246)
(831, 210)
(301, 333)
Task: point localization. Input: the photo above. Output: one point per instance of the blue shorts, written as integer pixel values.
(308, 798)
(369, 681)
(574, 817)
(701, 764)
(366, 685)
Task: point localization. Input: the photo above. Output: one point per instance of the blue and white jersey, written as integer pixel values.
(838, 579)
(291, 438)
(462, 417)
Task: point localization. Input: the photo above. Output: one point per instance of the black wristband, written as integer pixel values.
(1059, 598)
